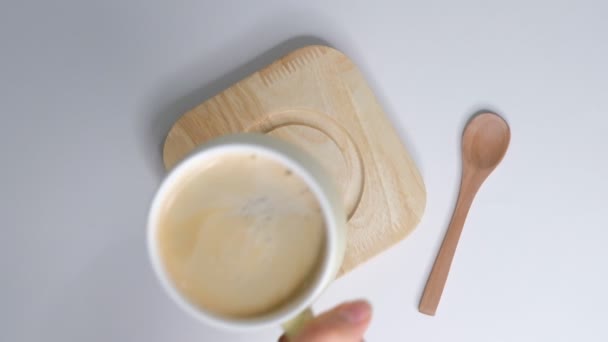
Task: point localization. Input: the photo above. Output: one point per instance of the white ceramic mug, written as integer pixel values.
(294, 313)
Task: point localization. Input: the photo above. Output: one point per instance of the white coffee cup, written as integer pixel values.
(294, 313)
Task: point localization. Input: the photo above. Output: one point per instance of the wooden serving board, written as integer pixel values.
(316, 98)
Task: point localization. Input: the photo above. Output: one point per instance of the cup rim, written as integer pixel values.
(285, 154)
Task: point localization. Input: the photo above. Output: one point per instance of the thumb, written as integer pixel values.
(345, 323)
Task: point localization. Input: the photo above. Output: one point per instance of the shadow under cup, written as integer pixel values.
(230, 156)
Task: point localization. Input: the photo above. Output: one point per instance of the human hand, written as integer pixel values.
(345, 323)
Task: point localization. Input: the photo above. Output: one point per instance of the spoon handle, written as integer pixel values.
(439, 274)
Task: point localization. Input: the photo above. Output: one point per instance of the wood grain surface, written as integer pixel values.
(316, 98)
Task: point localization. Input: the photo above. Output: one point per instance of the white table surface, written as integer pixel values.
(89, 88)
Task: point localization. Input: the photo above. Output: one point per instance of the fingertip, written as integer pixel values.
(356, 312)
(346, 322)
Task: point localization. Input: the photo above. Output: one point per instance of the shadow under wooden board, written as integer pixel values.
(316, 98)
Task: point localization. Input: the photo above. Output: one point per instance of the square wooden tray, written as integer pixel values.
(316, 97)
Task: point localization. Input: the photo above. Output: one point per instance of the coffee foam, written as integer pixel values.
(241, 235)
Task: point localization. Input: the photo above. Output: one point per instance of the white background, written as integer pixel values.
(88, 89)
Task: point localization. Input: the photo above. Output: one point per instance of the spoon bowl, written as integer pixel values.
(485, 141)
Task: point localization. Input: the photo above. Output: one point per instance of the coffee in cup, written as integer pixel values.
(240, 235)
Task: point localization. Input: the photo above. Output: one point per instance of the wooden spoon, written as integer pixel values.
(484, 143)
